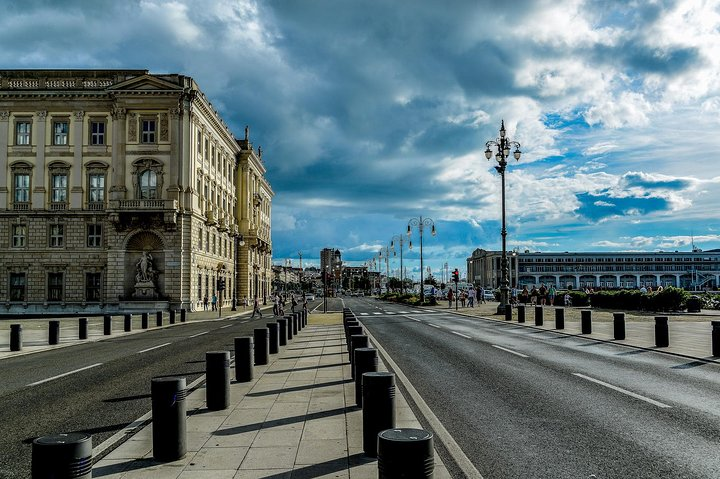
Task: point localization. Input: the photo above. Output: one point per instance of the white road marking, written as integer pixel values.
(434, 325)
(509, 351)
(154, 347)
(415, 319)
(624, 391)
(377, 313)
(364, 314)
(198, 334)
(223, 327)
(461, 334)
(64, 374)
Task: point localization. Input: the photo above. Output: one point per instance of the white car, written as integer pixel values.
(310, 296)
(489, 295)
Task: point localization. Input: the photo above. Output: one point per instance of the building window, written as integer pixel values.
(94, 236)
(58, 188)
(200, 240)
(19, 236)
(149, 127)
(22, 188)
(17, 286)
(148, 185)
(200, 296)
(96, 188)
(60, 132)
(207, 241)
(93, 286)
(23, 128)
(57, 236)
(55, 287)
(97, 132)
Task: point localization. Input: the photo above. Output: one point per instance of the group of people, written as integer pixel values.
(466, 298)
(536, 296)
(213, 302)
(279, 301)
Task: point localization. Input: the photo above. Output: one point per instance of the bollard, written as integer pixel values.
(305, 318)
(508, 312)
(295, 324)
(244, 359)
(169, 408)
(538, 315)
(282, 331)
(715, 338)
(107, 325)
(54, 332)
(356, 341)
(619, 325)
(183, 315)
(15, 337)
(127, 322)
(289, 327)
(83, 328)
(62, 456)
(262, 346)
(273, 338)
(353, 330)
(521, 313)
(378, 399)
(172, 316)
(366, 361)
(144, 320)
(158, 318)
(662, 338)
(586, 321)
(559, 318)
(405, 452)
(300, 321)
(217, 380)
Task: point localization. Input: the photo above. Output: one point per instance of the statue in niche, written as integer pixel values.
(144, 267)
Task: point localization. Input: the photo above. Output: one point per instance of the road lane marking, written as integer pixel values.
(377, 313)
(624, 391)
(461, 334)
(198, 334)
(223, 327)
(364, 314)
(510, 351)
(154, 347)
(434, 325)
(64, 374)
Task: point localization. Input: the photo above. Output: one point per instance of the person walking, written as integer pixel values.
(256, 307)
(450, 298)
(213, 301)
(481, 295)
(471, 297)
(205, 302)
(305, 304)
(293, 303)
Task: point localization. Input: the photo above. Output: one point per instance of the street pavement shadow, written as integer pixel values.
(282, 422)
(300, 388)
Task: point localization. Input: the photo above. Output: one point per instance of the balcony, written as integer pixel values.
(58, 206)
(222, 224)
(125, 214)
(21, 206)
(144, 205)
(210, 218)
(96, 205)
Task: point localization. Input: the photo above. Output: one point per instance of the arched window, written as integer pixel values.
(148, 179)
(148, 185)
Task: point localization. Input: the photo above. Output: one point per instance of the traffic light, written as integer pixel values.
(221, 284)
(456, 276)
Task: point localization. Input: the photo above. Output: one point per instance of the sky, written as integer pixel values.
(374, 112)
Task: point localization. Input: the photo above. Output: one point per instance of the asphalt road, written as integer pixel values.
(100, 387)
(527, 403)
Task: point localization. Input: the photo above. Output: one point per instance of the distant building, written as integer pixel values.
(331, 261)
(695, 270)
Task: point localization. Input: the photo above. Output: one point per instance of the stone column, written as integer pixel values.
(118, 190)
(173, 187)
(677, 280)
(637, 280)
(4, 142)
(39, 177)
(657, 277)
(76, 172)
(617, 280)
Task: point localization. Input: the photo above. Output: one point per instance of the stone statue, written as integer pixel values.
(145, 271)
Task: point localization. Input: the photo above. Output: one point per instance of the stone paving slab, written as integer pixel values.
(296, 419)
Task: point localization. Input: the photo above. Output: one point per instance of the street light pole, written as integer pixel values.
(420, 223)
(392, 245)
(502, 146)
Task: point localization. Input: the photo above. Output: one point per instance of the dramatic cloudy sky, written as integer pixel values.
(372, 112)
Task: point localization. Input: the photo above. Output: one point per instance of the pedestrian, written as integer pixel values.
(551, 294)
(305, 304)
(524, 295)
(471, 297)
(481, 295)
(533, 295)
(462, 299)
(450, 298)
(542, 294)
(276, 304)
(205, 302)
(293, 303)
(213, 301)
(245, 302)
(568, 299)
(256, 307)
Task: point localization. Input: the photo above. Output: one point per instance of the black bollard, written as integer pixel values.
(282, 331)
(16, 337)
(172, 316)
(559, 318)
(107, 325)
(127, 322)
(183, 315)
(662, 338)
(244, 359)
(521, 313)
(405, 453)
(305, 318)
(62, 456)
(82, 328)
(273, 338)
(217, 384)
(300, 321)
(262, 346)
(357, 341)
(508, 312)
(715, 338)
(289, 327)
(169, 408)
(619, 325)
(378, 391)
(366, 361)
(159, 318)
(538, 315)
(144, 321)
(586, 321)
(295, 324)
(54, 332)
(353, 330)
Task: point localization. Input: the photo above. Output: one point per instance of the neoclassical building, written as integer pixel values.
(121, 189)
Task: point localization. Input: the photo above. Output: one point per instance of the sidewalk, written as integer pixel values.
(296, 419)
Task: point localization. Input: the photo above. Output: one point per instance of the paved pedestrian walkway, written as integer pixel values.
(296, 419)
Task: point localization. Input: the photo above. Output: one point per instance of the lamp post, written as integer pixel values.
(239, 241)
(302, 290)
(502, 146)
(387, 261)
(400, 240)
(421, 223)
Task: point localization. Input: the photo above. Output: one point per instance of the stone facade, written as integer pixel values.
(122, 188)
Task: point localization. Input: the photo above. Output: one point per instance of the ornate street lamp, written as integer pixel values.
(400, 240)
(502, 146)
(421, 223)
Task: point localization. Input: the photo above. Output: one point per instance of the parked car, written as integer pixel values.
(489, 295)
(310, 296)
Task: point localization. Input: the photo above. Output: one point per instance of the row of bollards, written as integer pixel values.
(16, 330)
(400, 452)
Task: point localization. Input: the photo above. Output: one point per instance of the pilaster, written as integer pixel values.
(39, 180)
(4, 135)
(118, 190)
(76, 172)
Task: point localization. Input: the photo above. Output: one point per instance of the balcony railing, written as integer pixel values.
(21, 206)
(144, 205)
(96, 205)
(58, 206)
